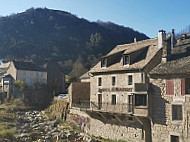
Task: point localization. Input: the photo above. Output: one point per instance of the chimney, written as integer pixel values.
(172, 39)
(161, 38)
(135, 40)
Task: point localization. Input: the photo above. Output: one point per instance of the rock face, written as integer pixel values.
(33, 126)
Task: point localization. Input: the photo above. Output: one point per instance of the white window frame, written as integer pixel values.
(124, 62)
(128, 80)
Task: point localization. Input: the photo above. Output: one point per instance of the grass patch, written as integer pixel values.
(7, 133)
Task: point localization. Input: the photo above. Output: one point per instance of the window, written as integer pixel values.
(177, 113)
(130, 100)
(31, 73)
(99, 81)
(113, 100)
(24, 80)
(126, 60)
(174, 138)
(142, 78)
(187, 85)
(104, 63)
(30, 80)
(37, 73)
(140, 100)
(170, 87)
(113, 81)
(42, 74)
(130, 80)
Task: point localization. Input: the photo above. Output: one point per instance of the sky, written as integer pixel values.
(146, 16)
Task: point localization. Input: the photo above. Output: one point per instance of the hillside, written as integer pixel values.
(44, 34)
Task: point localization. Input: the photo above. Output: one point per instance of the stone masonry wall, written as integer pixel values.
(131, 131)
(162, 124)
(121, 82)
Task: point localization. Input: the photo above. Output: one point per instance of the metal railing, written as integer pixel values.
(112, 108)
(122, 108)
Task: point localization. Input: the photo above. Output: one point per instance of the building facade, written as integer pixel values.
(120, 101)
(28, 72)
(170, 89)
(140, 91)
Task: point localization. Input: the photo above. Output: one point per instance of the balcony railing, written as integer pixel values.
(123, 108)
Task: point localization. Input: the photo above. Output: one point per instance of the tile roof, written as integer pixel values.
(133, 46)
(22, 65)
(179, 66)
(179, 62)
(143, 59)
(85, 76)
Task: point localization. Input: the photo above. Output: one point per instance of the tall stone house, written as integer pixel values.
(120, 98)
(170, 93)
(139, 92)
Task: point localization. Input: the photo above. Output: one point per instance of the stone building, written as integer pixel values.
(28, 72)
(55, 78)
(170, 89)
(120, 99)
(140, 91)
(85, 77)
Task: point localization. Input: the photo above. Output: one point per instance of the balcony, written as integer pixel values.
(138, 106)
(112, 108)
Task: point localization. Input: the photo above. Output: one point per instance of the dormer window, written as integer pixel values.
(104, 63)
(126, 59)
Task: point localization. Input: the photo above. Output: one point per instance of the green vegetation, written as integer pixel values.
(7, 123)
(108, 140)
(20, 84)
(43, 34)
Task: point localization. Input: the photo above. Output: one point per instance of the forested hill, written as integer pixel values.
(42, 34)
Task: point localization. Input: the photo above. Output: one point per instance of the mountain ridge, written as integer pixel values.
(45, 34)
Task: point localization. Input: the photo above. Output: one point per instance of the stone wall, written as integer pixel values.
(130, 130)
(162, 124)
(121, 82)
(79, 92)
(58, 109)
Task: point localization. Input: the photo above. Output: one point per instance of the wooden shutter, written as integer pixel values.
(170, 87)
(183, 86)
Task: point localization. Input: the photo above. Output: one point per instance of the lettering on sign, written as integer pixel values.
(115, 89)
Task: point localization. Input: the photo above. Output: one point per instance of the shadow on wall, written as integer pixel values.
(158, 106)
(121, 120)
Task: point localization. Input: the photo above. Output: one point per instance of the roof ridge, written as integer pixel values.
(141, 41)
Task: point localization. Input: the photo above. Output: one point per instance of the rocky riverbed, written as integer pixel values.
(34, 126)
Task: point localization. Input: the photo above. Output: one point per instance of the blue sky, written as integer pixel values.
(147, 16)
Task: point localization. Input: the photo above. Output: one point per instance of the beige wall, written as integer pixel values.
(162, 124)
(36, 76)
(79, 92)
(85, 80)
(26, 75)
(12, 70)
(121, 82)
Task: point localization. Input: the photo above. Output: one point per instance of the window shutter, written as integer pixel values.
(169, 87)
(183, 86)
